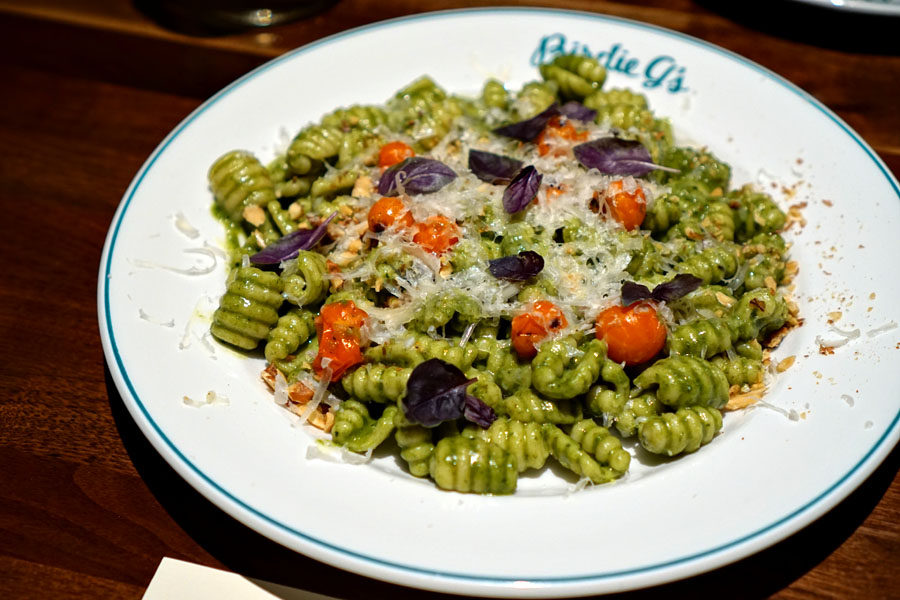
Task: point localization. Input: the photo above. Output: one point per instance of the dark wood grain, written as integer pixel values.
(87, 507)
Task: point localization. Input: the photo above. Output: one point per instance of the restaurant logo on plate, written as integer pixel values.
(661, 71)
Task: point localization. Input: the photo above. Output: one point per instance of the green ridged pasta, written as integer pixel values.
(648, 261)
(528, 407)
(603, 400)
(357, 431)
(494, 95)
(533, 98)
(685, 381)
(312, 146)
(755, 213)
(715, 300)
(287, 184)
(576, 76)
(365, 117)
(601, 444)
(361, 145)
(749, 349)
(486, 390)
(561, 370)
(439, 309)
(334, 183)
(682, 431)
(237, 180)
(712, 264)
(504, 367)
(758, 313)
(280, 218)
(375, 382)
(570, 455)
(740, 370)
(604, 100)
(698, 165)
(416, 348)
(634, 412)
(415, 443)
(249, 307)
(525, 441)
(713, 219)
(470, 253)
(703, 337)
(663, 213)
(424, 112)
(466, 465)
(761, 267)
(294, 365)
(305, 279)
(293, 329)
(518, 237)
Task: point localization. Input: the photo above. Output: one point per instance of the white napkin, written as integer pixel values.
(177, 579)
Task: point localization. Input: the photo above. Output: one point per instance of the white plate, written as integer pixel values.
(873, 7)
(763, 478)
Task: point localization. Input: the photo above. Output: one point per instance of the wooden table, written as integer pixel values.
(87, 507)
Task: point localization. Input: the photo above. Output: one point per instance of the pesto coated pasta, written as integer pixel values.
(484, 284)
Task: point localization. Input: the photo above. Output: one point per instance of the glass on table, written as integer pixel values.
(209, 17)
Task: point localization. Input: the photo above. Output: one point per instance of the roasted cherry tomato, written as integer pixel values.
(338, 327)
(436, 234)
(393, 153)
(388, 211)
(627, 207)
(634, 334)
(342, 352)
(557, 130)
(530, 328)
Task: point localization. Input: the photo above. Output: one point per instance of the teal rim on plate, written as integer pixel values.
(449, 581)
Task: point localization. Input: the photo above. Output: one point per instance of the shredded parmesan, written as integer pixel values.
(330, 452)
(146, 317)
(882, 329)
(846, 337)
(212, 399)
(182, 225)
(196, 270)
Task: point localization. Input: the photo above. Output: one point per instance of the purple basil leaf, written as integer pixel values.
(522, 190)
(680, 285)
(632, 292)
(615, 156)
(529, 129)
(290, 245)
(435, 392)
(493, 168)
(478, 412)
(578, 111)
(417, 175)
(520, 267)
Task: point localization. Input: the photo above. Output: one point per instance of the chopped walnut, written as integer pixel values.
(321, 418)
(785, 364)
(269, 375)
(354, 245)
(363, 187)
(295, 210)
(725, 300)
(746, 399)
(254, 214)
